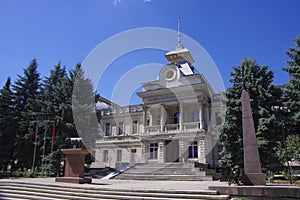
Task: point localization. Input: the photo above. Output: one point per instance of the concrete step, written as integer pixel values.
(165, 171)
(22, 191)
(169, 177)
(163, 165)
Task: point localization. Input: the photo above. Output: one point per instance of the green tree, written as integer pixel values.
(7, 128)
(263, 97)
(56, 114)
(292, 90)
(291, 151)
(27, 91)
(83, 101)
(56, 104)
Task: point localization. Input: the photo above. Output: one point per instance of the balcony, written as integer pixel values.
(153, 130)
(121, 110)
(173, 128)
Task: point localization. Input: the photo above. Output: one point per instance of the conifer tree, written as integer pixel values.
(263, 96)
(7, 128)
(292, 90)
(27, 91)
(83, 99)
(55, 116)
(56, 104)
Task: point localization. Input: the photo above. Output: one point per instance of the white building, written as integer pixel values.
(176, 122)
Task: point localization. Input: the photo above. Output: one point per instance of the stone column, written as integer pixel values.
(181, 115)
(162, 118)
(201, 116)
(161, 153)
(201, 151)
(207, 117)
(182, 150)
(145, 119)
(252, 168)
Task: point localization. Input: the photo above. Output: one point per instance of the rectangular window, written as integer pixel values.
(193, 149)
(133, 155)
(105, 156)
(153, 150)
(120, 131)
(107, 129)
(134, 126)
(196, 116)
(119, 155)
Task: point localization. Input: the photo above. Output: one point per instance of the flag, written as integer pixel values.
(53, 132)
(36, 133)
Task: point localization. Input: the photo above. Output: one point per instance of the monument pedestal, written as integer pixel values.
(74, 166)
(253, 179)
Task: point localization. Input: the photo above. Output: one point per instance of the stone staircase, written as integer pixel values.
(13, 190)
(166, 171)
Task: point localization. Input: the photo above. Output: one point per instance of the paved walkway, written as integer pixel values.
(132, 184)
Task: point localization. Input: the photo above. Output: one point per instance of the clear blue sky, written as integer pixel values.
(67, 30)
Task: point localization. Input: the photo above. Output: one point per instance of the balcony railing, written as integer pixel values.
(172, 128)
(121, 110)
(191, 126)
(153, 130)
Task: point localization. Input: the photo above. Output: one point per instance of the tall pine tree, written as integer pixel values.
(292, 90)
(27, 91)
(57, 104)
(263, 96)
(83, 98)
(7, 126)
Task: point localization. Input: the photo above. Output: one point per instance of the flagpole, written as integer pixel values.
(34, 151)
(44, 147)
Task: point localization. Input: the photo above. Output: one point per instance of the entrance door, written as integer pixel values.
(133, 156)
(172, 151)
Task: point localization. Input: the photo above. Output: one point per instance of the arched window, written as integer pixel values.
(158, 120)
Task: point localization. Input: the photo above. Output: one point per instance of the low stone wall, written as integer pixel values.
(282, 192)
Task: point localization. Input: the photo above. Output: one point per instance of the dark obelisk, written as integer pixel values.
(252, 168)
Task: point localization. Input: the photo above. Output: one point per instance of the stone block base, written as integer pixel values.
(280, 192)
(254, 179)
(73, 180)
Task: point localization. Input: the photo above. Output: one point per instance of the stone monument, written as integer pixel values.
(252, 168)
(74, 164)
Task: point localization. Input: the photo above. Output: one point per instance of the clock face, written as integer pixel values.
(170, 74)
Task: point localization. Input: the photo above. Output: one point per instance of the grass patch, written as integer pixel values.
(297, 183)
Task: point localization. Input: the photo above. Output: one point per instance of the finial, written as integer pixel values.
(179, 35)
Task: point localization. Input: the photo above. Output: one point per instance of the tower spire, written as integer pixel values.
(179, 45)
(180, 54)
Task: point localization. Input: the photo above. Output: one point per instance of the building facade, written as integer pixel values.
(177, 121)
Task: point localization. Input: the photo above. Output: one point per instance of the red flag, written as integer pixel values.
(53, 132)
(36, 133)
